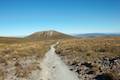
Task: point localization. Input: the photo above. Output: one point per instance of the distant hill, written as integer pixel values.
(48, 35)
(43, 35)
(52, 35)
(98, 35)
(10, 39)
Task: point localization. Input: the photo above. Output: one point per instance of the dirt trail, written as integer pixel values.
(53, 68)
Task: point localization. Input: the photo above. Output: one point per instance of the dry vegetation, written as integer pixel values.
(19, 57)
(90, 58)
(97, 52)
(24, 49)
(88, 48)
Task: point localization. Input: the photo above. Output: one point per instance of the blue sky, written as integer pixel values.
(22, 17)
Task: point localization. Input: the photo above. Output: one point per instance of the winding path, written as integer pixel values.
(53, 68)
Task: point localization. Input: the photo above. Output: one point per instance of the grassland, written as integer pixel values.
(97, 52)
(21, 55)
(89, 57)
(90, 47)
(24, 49)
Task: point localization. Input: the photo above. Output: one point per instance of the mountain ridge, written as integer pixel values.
(50, 34)
(98, 35)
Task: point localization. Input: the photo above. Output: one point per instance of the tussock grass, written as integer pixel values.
(22, 56)
(93, 51)
(24, 49)
(90, 48)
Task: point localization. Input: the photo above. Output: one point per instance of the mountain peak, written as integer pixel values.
(50, 34)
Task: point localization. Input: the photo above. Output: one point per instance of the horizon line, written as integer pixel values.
(60, 32)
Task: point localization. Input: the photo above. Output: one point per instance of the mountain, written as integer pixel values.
(48, 35)
(98, 35)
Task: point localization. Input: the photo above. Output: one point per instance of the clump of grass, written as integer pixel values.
(1, 74)
(24, 72)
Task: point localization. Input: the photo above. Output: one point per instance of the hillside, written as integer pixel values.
(43, 35)
(98, 35)
(48, 35)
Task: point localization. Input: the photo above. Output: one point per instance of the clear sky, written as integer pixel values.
(22, 17)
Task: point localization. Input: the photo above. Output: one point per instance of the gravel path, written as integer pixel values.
(53, 68)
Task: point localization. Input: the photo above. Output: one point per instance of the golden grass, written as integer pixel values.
(24, 49)
(12, 53)
(1, 75)
(89, 48)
